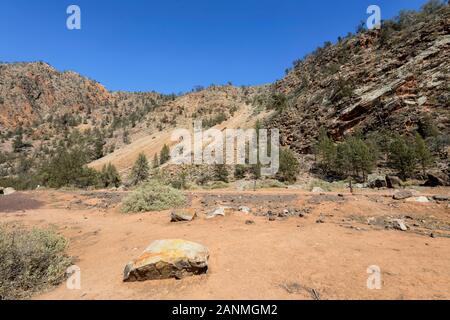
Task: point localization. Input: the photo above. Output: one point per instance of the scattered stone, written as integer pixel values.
(441, 198)
(272, 218)
(432, 235)
(399, 224)
(245, 209)
(320, 220)
(180, 215)
(318, 190)
(401, 195)
(418, 199)
(393, 182)
(7, 191)
(377, 182)
(249, 222)
(165, 259)
(437, 179)
(217, 212)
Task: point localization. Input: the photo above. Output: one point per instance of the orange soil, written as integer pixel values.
(257, 261)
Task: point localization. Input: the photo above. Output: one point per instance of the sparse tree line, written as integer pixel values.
(357, 156)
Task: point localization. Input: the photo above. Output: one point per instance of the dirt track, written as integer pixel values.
(282, 259)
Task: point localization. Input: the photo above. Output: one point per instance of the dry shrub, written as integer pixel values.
(30, 261)
(153, 196)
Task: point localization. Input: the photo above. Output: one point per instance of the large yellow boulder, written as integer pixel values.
(165, 259)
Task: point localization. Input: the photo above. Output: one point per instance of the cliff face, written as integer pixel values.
(385, 79)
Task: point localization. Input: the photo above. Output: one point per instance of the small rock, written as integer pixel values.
(8, 191)
(318, 190)
(401, 195)
(418, 199)
(272, 218)
(249, 222)
(399, 224)
(183, 215)
(217, 212)
(441, 198)
(244, 209)
(320, 220)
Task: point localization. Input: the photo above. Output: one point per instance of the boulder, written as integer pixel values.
(165, 259)
(418, 199)
(183, 215)
(401, 195)
(437, 179)
(318, 190)
(393, 182)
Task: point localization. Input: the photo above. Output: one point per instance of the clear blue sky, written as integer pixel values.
(173, 45)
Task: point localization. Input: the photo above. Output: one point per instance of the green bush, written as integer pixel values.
(289, 166)
(31, 261)
(153, 196)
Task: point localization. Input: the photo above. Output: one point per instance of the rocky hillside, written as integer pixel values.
(389, 79)
(383, 79)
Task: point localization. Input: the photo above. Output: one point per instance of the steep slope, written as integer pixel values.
(386, 79)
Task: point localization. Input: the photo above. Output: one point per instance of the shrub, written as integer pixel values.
(221, 173)
(153, 196)
(289, 166)
(140, 170)
(109, 176)
(240, 171)
(31, 261)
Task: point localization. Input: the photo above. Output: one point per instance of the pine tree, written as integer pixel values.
(325, 151)
(165, 154)
(423, 154)
(140, 170)
(110, 176)
(402, 156)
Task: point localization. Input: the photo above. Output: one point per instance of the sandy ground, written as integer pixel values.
(289, 258)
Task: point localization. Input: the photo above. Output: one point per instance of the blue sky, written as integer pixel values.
(174, 45)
